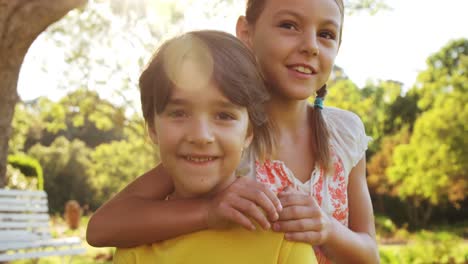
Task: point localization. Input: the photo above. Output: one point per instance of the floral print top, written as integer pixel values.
(348, 143)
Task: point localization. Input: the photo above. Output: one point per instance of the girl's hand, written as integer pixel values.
(243, 200)
(302, 219)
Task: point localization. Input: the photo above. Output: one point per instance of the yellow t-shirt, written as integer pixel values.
(231, 246)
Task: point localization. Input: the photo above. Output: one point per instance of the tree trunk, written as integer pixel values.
(21, 21)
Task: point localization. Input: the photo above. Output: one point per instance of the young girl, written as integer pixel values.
(320, 150)
(201, 140)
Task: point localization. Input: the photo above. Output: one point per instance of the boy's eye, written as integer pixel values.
(177, 113)
(327, 35)
(225, 116)
(288, 25)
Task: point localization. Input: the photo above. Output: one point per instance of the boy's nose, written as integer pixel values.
(200, 133)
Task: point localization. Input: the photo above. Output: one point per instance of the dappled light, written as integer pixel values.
(72, 124)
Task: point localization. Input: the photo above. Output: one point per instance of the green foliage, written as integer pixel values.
(81, 114)
(29, 167)
(446, 72)
(117, 163)
(20, 127)
(428, 247)
(432, 168)
(384, 226)
(377, 179)
(17, 181)
(65, 177)
(371, 103)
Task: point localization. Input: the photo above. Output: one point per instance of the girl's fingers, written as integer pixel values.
(298, 212)
(251, 210)
(302, 225)
(289, 199)
(261, 196)
(239, 218)
(267, 200)
(271, 195)
(312, 238)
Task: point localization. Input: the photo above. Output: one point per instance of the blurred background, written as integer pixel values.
(78, 132)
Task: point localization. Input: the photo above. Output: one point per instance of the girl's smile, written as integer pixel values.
(302, 71)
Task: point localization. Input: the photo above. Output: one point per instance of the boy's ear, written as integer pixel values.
(152, 134)
(243, 31)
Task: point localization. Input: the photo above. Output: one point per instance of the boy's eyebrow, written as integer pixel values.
(301, 17)
(177, 101)
(217, 103)
(226, 104)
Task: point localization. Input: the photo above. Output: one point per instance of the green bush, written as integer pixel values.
(427, 247)
(28, 166)
(384, 226)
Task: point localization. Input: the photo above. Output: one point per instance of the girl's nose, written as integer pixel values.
(200, 133)
(310, 44)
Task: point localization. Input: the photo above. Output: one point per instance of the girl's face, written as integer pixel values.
(201, 135)
(295, 43)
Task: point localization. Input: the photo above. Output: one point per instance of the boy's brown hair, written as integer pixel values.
(226, 61)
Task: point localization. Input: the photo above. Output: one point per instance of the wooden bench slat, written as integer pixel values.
(19, 225)
(23, 208)
(21, 193)
(24, 217)
(23, 235)
(13, 201)
(59, 242)
(25, 229)
(39, 254)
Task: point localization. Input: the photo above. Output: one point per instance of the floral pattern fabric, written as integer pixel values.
(348, 143)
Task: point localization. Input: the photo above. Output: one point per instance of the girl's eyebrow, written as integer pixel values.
(300, 16)
(283, 12)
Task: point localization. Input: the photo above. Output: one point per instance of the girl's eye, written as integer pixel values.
(288, 25)
(225, 116)
(327, 35)
(177, 113)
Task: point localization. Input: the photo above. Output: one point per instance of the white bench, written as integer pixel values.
(25, 231)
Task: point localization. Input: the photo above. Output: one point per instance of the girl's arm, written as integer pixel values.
(306, 222)
(139, 214)
(356, 244)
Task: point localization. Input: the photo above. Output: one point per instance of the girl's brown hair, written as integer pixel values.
(226, 61)
(320, 134)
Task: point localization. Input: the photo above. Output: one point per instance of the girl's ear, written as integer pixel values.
(152, 134)
(248, 138)
(243, 31)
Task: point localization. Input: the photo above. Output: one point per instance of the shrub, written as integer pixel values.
(28, 166)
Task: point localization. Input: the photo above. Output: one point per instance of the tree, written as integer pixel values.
(65, 163)
(379, 184)
(372, 104)
(432, 170)
(20, 23)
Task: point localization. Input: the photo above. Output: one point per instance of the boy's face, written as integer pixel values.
(201, 136)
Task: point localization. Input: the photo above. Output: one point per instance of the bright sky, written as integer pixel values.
(389, 45)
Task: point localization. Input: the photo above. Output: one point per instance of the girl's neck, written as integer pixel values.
(289, 117)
